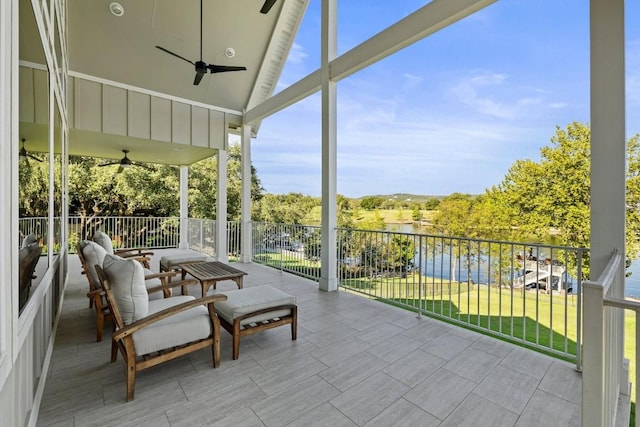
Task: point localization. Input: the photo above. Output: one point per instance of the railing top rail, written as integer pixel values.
(469, 239)
(622, 303)
(126, 217)
(608, 275)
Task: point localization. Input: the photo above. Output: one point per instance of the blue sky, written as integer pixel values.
(450, 113)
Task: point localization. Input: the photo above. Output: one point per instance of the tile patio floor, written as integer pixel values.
(356, 363)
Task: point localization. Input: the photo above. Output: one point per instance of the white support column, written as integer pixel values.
(9, 138)
(329, 275)
(608, 166)
(184, 207)
(245, 218)
(221, 208)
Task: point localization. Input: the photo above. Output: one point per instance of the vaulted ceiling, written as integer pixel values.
(122, 48)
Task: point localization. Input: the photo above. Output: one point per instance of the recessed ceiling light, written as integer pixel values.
(116, 8)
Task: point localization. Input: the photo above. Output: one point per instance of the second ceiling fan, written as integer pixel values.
(125, 163)
(201, 66)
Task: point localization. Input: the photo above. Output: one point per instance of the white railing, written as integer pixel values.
(33, 225)
(201, 236)
(149, 232)
(528, 293)
(605, 376)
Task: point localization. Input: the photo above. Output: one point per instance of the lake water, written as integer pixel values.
(632, 284)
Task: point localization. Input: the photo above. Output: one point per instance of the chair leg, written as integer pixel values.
(294, 324)
(131, 380)
(236, 339)
(130, 358)
(114, 351)
(99, 325)
(216, 342)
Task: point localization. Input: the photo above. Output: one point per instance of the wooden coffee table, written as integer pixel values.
(211, 272)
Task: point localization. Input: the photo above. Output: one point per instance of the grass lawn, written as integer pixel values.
(510, 312)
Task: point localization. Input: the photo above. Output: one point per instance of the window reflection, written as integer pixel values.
(33, 160)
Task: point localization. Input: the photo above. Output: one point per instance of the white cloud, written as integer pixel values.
(297, 54)
(495, 95)
(411, 81)
(558, 105)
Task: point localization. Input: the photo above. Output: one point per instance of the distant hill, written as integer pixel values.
(402, 197)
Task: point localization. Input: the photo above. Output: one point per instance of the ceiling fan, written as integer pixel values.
(125, 163)
(266, 7)
(23, 155)
(201, 66)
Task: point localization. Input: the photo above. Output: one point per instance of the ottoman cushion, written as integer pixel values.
(169, 261)
(249, 300)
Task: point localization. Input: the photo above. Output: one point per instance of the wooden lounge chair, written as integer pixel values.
(90, 253)
(147, 332)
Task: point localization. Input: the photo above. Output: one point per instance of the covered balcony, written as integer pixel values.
(98, 79)
(355, 362)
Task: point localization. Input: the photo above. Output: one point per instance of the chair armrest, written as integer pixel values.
(167, 312)
(160, 275)
(95, 293)
(171, 285)
(132, 252)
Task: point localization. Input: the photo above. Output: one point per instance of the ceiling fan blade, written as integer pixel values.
(110, 163)
(224, 68)
(266, 7)
(34, 158)
(120, 169)
(176, 55)
(143, 166)
(199, 74)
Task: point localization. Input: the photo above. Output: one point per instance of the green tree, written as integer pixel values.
(455, 217)
(345, 216)
(289, 208)
(552, 196)
(372, 202)
(416, 213)
(432, 204)
(374, 223)
(203, 182)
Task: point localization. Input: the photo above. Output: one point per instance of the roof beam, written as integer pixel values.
(427, 20)
(294, 93)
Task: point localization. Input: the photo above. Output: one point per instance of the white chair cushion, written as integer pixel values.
(103, 240)
(93, 254)
(249, 300)
(126, 278)
(182, 328)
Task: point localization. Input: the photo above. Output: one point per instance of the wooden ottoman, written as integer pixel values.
(250, 310)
